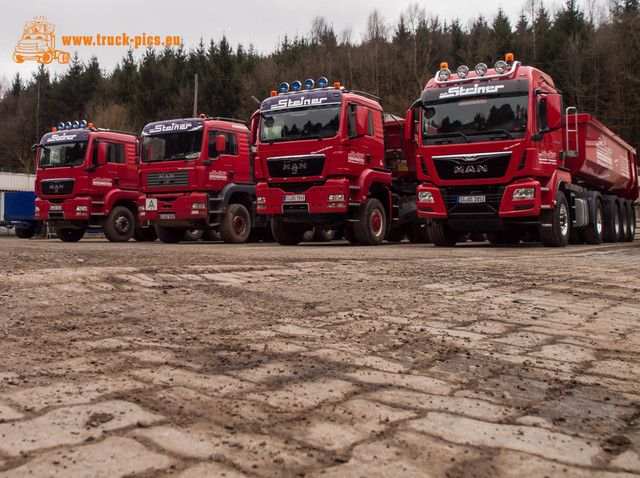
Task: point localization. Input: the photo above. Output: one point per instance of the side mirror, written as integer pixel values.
(255, 124)
(554, 112)
(362, 121)
(34, 147)
(409, 126)
(221, 143)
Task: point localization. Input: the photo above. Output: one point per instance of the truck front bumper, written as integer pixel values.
(330, 198)
(75, 209)
(168, 209)
(521, 198)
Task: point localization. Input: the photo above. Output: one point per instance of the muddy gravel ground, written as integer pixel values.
(204, 359)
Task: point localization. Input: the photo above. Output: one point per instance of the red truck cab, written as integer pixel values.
(322, 156)
(88, 178)
(197, 174)
(493, 157)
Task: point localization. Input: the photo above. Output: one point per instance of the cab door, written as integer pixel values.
(222, 159)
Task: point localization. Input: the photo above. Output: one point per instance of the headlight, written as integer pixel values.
(481, 69)
(444, 74)
(141, 207)
(198, 205)
(524, 193)
(336, 197)
(500, 66)
(82, 208)
(261, 199)
(425, 196)
(37, 209)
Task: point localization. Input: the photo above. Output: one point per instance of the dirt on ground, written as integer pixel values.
(325, 359)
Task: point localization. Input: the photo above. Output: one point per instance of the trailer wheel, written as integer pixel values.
(169, 235)
(611, 221)
(624, 220)
(120, 224)
(557, 235)
(631, 213)
(69, 235)
(443, 236)
(145, 234)
(236, 224)
(286, 233)
(372, 227)
(594, 232)
(418, 233)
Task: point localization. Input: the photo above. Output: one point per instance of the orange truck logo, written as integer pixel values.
(38, 43)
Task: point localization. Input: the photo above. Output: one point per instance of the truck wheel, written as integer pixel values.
(46, 58)
(611, 221)
(443, 236)
(69, 235)
(236, 224)
(210, 235)
(624, 220)
(594, 232)
(25, 233)
(193, 234)
(120, 225)
(631, 230)
(418, 233)
(372, 226)
(323, 235)
(170, 235)
(145, 234)
(395, 235)
(286, 233)
(348, 234)
(558, 234)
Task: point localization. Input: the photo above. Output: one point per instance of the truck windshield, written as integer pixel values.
(172, 146)
(300, 123)
(59, 155)
(474, 118)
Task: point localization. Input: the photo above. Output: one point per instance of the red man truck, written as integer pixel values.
(495, 154)
(87, 177)
(197, 174)
(329, 158)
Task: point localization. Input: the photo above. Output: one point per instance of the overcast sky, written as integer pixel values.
(260, 23)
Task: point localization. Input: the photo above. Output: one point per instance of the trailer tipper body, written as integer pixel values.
(498, 154)
(330, 158)
(197, 174)
(88, 178)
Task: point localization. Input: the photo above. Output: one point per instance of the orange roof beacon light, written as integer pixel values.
(509, 58)
(274, 93)
(336, 85)
(444, 72)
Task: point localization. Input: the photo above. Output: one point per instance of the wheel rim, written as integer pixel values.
(599, 221)
(239, 225)
(376, 222)
(563, 219)
(122, 225)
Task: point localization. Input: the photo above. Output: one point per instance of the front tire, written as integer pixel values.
(372, 227)
(120, 225)
(443, 236)
(145, 234)
(557, 235)
(69, 235)
(169, 235)
(286, 233)
(236, 224)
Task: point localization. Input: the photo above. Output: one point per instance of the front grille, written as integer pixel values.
(295, 187)
(170, 179)
(57, 186)
(295, 166)
(479, 166)
(493, 198)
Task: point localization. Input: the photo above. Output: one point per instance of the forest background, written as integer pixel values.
(593, 58)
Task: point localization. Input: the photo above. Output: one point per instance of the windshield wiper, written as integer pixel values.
(493, 131)
(278, 140)
(448, 135)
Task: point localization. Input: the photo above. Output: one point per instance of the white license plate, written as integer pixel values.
(167, 216)
(55, 208)
(471, 199)
(294, 198)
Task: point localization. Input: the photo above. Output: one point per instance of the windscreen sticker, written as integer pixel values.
(61, 137)
(471, 91)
